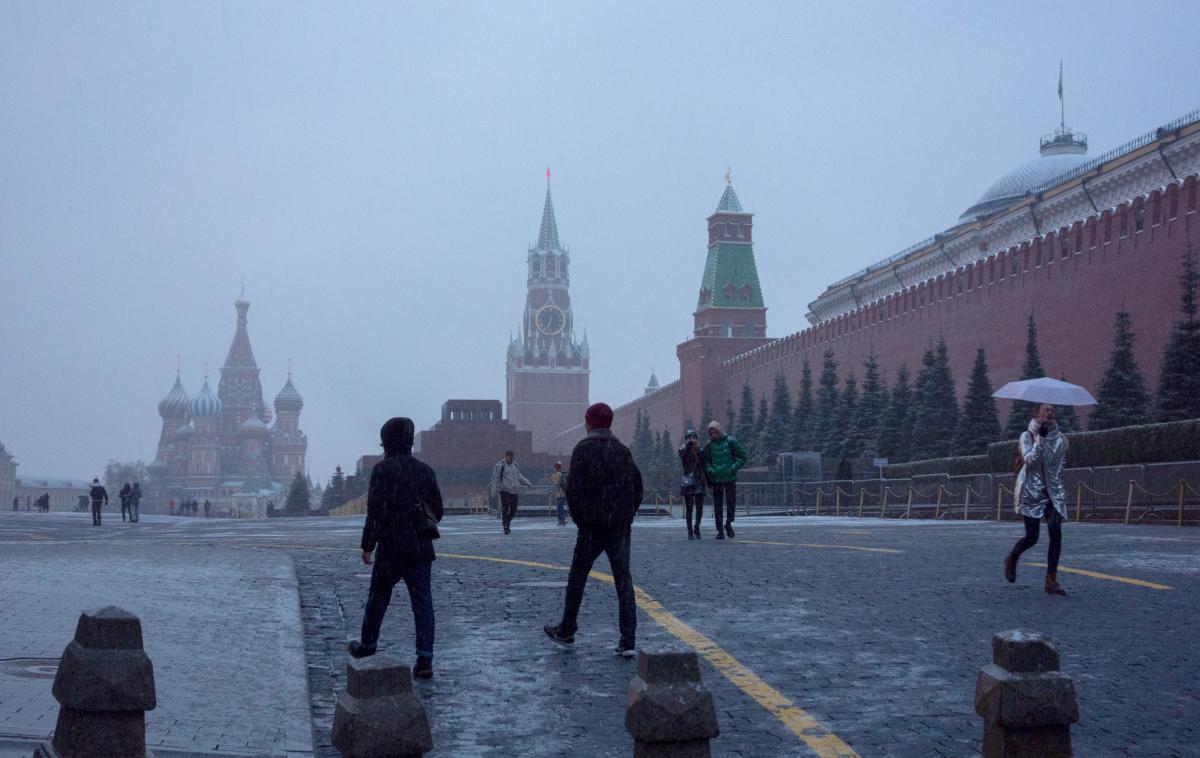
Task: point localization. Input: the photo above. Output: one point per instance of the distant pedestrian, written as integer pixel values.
(124, 496)
(16, 503)
(99, 497)
(691, 484)
(1040, 493)
(81, 505)
(507, 480)
(135, 500)
(171, 507)
(43, 503)
(207, 507)
(724, 457)
(402, 489)
(603, 493)
(558, 479)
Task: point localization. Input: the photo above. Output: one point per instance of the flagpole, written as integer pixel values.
(1062, 108)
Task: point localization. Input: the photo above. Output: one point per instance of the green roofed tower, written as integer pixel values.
(731, 301)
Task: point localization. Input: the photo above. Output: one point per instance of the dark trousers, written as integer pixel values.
(125, 510)
(724, 493)
(1053, 528)
(96, 512)
(560, 503)
(508, 507)
(133, 510)
(588, 547)
(696, 501)
(417, 577)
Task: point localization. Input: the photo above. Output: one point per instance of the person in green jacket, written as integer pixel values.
(724, 456)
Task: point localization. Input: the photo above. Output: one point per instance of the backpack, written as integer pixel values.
(1018, 461)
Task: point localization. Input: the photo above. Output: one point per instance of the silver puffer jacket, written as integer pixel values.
(1040, 482)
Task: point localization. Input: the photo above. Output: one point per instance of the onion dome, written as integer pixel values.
(205, 403)
(253, 427)
(288, 400)
(184, 432)
(175, 404)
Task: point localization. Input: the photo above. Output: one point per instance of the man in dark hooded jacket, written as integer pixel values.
(99, 497)
(399, 485)
(603, 493)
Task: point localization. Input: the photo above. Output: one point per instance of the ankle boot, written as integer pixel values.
(691, 534)
(1052, 586)
(697, 531)
(1010, 568)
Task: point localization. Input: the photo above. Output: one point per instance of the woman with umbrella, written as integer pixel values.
(1039, 490)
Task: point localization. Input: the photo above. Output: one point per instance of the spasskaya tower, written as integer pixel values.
(547, 368)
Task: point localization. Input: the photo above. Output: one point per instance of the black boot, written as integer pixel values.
(424, 668)
(359, 650)
(696, 531)
(729, 530)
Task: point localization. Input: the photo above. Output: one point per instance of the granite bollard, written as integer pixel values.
(104, 686)
(1027, 704)
(378, 715)
(669, 712)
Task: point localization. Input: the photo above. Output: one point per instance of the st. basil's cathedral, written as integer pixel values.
(222, 446)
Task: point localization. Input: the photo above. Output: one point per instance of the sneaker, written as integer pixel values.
(729, 530)
(423, 668)
(555, 633)
(720, 534)
(359, 650)
(626, 649)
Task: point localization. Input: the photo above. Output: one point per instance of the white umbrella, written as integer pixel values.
(1046, 390)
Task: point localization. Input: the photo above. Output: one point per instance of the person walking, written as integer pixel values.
(43, 503)
(724, 457)
(1040, 493)
(507, 480)
(691, 484)
(207, 507)
(604, 492)
(123, 496)
(401, 491)
(16, 503)
(135, 500)
(99, 496)
(557, 478)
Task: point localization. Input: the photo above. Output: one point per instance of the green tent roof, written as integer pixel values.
(731, 265)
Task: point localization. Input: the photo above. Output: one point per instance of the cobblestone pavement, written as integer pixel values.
(880, 647)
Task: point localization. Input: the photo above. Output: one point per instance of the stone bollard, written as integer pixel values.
(378, 715)
(1027, 704)
(104, 686)
(670, 713)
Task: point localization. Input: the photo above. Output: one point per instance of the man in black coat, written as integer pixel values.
(99, 496)
(399, 485)
(603, 493)
(135, 501)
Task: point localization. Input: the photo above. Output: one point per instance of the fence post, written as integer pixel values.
(999, 500)
(1129, 502)
(1182, 484)
(937, 511)
(1078, 502)
(862, 495)
(837, 501)
(908, 509)
(967, 504)
(817, 506)
(883, 505)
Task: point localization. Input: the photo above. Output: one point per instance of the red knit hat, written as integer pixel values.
(599, 416)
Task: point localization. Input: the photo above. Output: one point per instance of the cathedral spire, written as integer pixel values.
(240, 353)
(548, 233)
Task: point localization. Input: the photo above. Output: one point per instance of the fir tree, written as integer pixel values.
(745, 426)
(870, 410)
(1122, 399)
(754, 448)
(825, 436)
(1178, 395)
(730, 419)
(1068, 422)
(1022, 410)
(979, 424)
(777, 432)
(802, 413)
(936, 406)
(643, 441)
(895, 432)
(847, 414)
(297, 499)
(335, 493)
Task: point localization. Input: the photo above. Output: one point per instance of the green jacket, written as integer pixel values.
(723, 458)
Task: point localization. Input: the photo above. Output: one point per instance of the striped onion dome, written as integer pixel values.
(205, 403)
(175, 404)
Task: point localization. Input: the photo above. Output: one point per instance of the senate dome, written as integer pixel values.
(175, 404)
(1061, 151)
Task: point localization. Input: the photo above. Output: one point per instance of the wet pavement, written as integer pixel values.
(875, 629)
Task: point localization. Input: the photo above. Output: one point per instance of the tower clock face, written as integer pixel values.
(550, 319)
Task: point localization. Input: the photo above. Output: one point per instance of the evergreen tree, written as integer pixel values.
(870, 411)
(847, 415)
(825, 437)
(895, 432)
(754, 448)
(802, 413)
(936, 406)
(297, 499)
(1178, 395)
(643, 441)
(979, 424)
(777, 431)
(1068, 422)
(730, 419)
(1022, 410)
(745, 426)
(1122, 399)
(335, 493)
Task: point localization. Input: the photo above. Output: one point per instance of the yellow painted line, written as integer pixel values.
(829, 547)
(813, 733)
(1108, 577)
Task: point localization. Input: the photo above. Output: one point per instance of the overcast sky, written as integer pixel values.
(376, 174)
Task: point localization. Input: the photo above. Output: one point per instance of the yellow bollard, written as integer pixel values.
(818, 506)
(837, 501)
(937, 511)
(862, 494)
(908, 509)
(1182, 484)
(1129, 502)
(883, 505)
(1078, 502)
(967, 505)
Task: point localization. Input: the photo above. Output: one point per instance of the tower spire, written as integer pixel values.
(548, 233)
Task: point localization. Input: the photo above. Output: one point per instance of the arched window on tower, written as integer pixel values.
(729, 292)
(746, 293)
